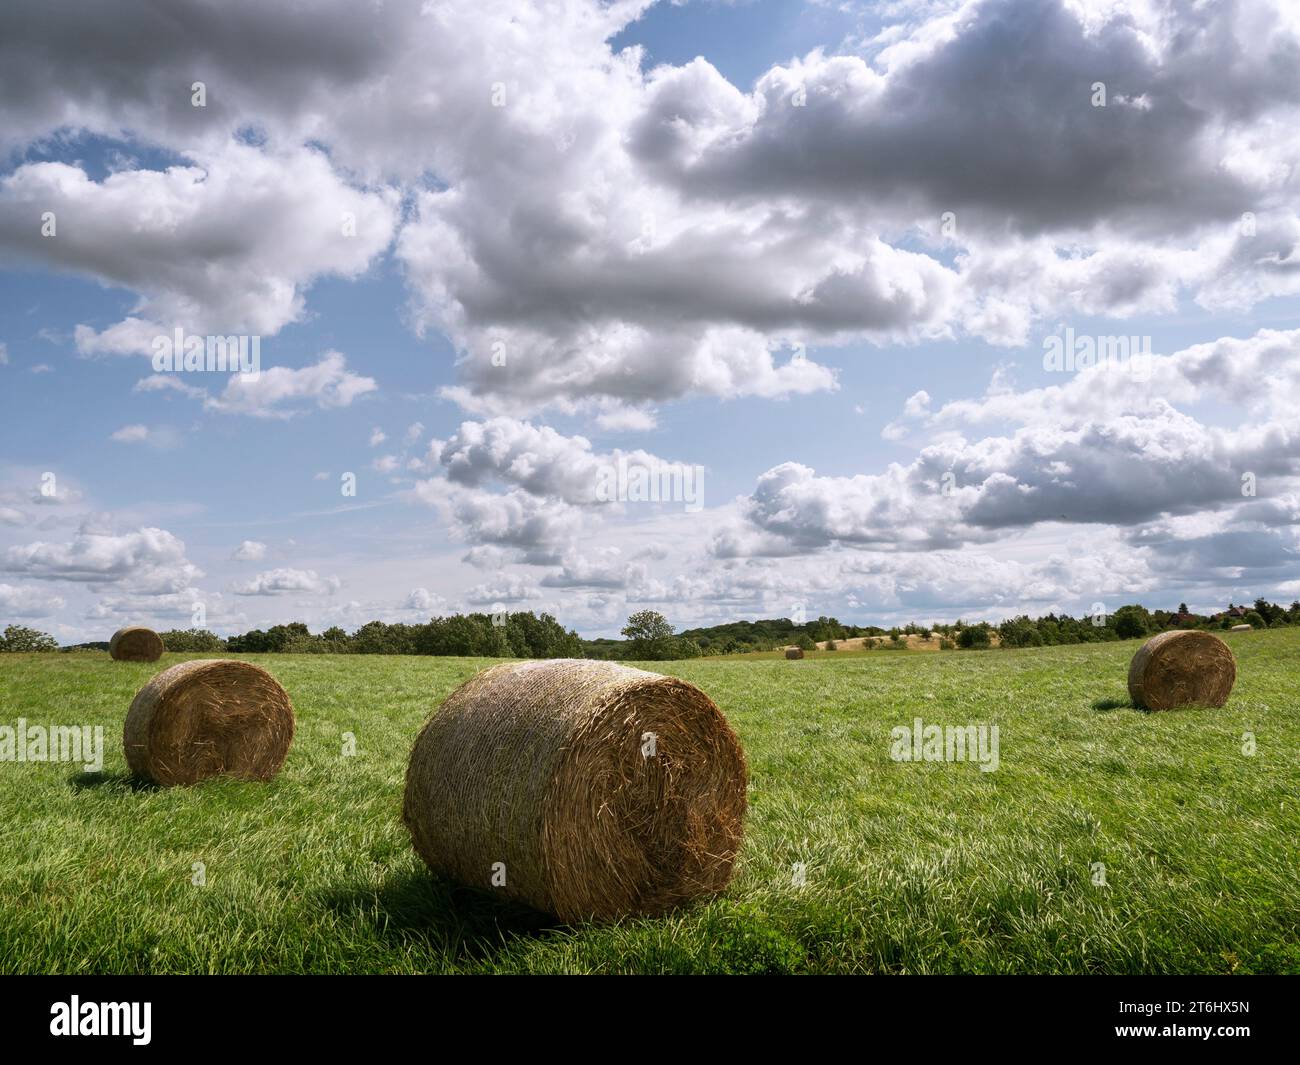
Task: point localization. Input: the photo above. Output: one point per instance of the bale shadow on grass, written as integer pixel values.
(111, 782)
(467, 923)
(1108, 705)
(1104, 706)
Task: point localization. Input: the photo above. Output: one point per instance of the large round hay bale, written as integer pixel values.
(1182, 668)
(135, 644)
(585, 789)
(206, 718)
(794, 652)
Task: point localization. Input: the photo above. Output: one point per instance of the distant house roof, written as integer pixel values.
(1233, 612)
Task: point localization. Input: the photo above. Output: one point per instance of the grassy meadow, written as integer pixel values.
(910, 867)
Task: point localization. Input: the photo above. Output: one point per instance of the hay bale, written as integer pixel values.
(1241, 628)
(1182, 668)
(206, 718)
(794, 652)
(549, 769)
(135, 644)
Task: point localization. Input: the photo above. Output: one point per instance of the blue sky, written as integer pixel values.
(696, 236)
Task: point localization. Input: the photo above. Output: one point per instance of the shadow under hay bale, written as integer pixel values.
(463, 922)
(206, 718)
(110, 782)
(794, 652)
(135, 644)
(584, 789)
(1182, 668)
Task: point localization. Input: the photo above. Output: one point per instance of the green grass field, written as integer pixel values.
(910, 868)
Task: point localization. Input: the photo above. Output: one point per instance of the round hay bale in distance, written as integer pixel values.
(1241, 628)
(209, 717)
(135, 644)
(794, 652)
(582, 788)
(1182, 668)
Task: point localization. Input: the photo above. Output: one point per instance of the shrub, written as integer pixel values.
(648, 635)
(192, 640)
(1132, 622)
(974, 637)
(680, 647)
(20, 638)
(1020, 632)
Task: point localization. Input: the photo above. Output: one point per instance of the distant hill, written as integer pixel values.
(737, 637)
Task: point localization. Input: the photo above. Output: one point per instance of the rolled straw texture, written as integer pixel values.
(598, 791)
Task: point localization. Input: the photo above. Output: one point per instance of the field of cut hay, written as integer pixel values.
(1091, 838)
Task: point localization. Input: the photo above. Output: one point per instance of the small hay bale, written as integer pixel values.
(135, 644)
(794, 652)
(207, 718)
(1240, 628)
(1182, 668)
(585, 789)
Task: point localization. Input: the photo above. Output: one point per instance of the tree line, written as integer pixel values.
(507, 635)
(648, 636)
(1134, 621)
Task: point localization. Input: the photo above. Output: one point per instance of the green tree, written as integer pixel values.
(1272, 613)
(21, 638)
(541, 637)
(648, 634)
(975, 636)
(252, 642)
(200, 640)
(336, 641)
(379, 638)
(278, 636)
(680, 647)
(1019, 632)
(1130, 622)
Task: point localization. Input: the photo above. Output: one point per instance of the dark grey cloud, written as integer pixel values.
(1259, 554)
(128, 67)
(996, 123)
